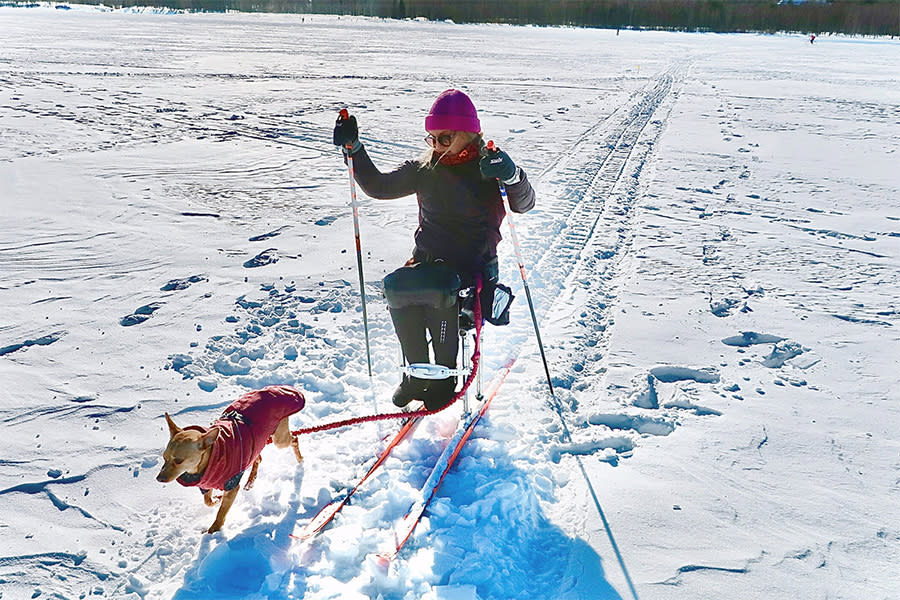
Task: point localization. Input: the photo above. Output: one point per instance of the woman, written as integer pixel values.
(460, 212)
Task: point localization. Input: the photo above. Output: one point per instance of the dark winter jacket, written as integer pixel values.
(244, 430)
(460, 212)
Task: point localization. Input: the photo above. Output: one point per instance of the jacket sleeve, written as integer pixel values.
(384, 186)
(521, 194)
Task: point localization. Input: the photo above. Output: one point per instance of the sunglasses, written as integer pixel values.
(445, 139)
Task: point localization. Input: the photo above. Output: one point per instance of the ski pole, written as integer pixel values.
(515, 240)
(359, 264)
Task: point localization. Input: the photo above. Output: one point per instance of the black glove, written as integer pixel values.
(496, 164)
(346, 133)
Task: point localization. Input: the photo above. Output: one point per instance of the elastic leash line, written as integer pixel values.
(476, 364)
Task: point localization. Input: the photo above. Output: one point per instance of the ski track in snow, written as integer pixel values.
(594, 183)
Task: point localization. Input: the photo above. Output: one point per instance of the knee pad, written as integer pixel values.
(432, 284)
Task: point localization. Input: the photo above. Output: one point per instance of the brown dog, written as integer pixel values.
(215, 458)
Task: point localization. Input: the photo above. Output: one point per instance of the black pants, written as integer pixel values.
(411, 324)
(422, 297)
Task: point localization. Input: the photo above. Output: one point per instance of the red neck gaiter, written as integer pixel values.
(468, 153)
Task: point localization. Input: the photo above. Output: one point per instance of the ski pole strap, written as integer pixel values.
(476, 364)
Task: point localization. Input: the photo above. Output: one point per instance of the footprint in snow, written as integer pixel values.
(682, 401)
(783, 349)
(670, 374)
(326, 221)
(271, 234)
(45, 340)
(660, 388)
(647, 391)
(609, 449)
(726, 306)
(266, 257)
(141, 314)
(636, 423)
(182, 284)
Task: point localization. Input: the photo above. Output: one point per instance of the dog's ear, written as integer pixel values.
(209, 438)
(173, 428)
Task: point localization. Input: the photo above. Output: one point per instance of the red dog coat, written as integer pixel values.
(244, 430)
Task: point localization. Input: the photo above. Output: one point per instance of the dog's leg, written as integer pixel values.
(295, 444)
(209, 499)
(227, 501)
(283, 438)
(251, 479)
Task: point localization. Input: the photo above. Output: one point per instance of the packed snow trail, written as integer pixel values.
(330, 510)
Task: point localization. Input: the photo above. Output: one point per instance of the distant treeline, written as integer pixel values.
(862, 17)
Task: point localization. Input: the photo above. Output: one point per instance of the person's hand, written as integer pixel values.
(346, 133)
(496, 164)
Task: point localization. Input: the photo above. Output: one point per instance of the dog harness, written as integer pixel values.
(244, 430)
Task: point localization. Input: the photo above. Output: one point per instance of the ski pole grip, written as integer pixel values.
(344, 114)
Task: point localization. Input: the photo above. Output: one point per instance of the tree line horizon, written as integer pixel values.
(855, 17)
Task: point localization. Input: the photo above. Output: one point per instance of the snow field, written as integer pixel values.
(713, 259)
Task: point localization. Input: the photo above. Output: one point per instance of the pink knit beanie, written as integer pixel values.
(453, 110)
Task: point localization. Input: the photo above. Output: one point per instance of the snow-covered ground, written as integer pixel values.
(715, 261)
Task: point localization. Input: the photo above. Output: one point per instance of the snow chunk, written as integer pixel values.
(228, 366)
(781, 353)
(207, 384)
(749, 338)
(668, 374)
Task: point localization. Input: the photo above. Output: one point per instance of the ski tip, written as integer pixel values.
(382, 561)
(307, 534)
